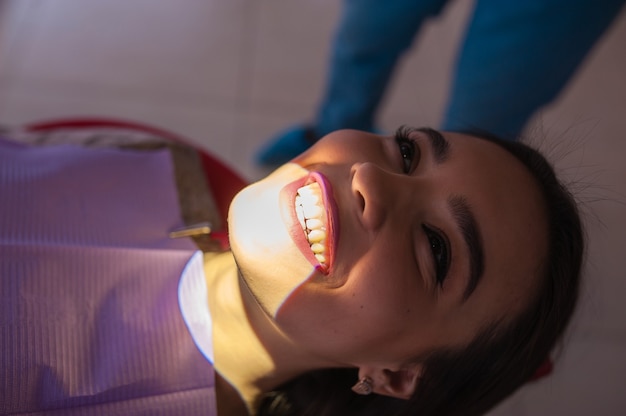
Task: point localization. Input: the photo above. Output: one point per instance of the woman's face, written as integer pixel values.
(426, 238)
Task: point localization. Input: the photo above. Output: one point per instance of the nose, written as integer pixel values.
(374, 191)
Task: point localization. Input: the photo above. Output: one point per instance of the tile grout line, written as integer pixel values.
(245, 72)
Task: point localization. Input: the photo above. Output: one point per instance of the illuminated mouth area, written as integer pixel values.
(311, 214)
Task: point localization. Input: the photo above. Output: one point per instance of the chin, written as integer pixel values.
(270, 263)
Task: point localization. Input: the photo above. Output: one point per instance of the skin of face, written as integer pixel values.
(380, 302)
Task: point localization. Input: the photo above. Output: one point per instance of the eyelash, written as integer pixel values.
(439, 246)
(407, 148)
(441, 254)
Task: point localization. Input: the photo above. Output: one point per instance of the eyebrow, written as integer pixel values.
(466, 222)
(463, 216)
(439, 145)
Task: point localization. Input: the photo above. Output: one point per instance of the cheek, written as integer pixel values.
(386, 300)
(391, 301)
(362, 318)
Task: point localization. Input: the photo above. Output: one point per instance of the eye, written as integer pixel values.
(407, 148)
(439, 248)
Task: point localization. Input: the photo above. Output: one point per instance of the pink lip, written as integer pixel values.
(288, 213)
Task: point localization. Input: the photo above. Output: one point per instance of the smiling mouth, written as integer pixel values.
(311, 214)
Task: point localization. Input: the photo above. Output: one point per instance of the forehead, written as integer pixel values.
(510, 212)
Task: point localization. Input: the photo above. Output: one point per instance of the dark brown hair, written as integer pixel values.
(471, 380)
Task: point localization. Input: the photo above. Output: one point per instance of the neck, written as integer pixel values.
(251, 353)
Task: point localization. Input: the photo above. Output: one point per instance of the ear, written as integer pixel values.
(397, 382)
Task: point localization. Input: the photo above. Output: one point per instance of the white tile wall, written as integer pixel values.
(230, 73)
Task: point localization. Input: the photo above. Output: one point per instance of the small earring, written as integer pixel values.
(364, 386)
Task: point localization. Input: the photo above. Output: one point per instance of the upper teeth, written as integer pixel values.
(312, 216)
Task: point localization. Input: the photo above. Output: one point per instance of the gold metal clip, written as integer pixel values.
(202, 228)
